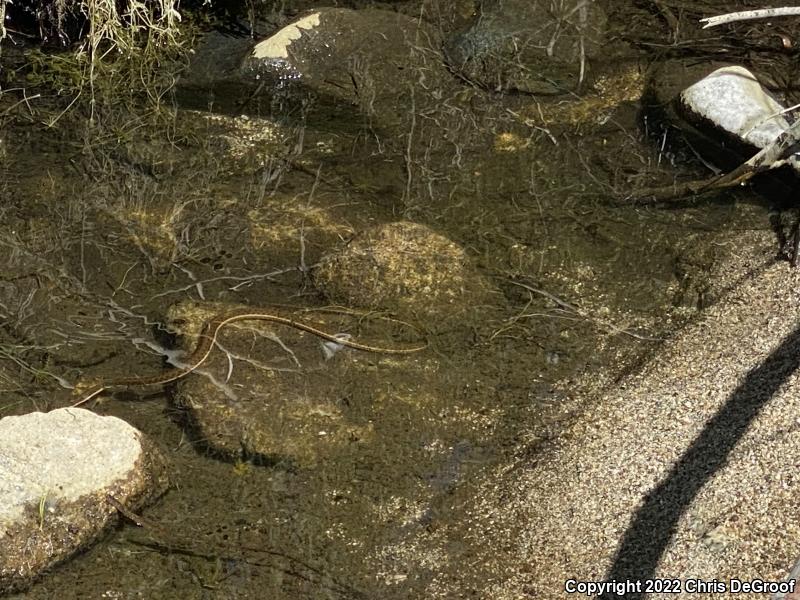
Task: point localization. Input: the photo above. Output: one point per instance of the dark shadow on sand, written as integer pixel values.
(654, 524)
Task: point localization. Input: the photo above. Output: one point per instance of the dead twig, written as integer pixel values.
(749, 15)
(575, 310)
(163, 540)
(777, 154)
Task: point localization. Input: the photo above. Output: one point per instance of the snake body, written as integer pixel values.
(207, 339)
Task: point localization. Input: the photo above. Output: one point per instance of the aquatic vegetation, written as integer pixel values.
(118, 52)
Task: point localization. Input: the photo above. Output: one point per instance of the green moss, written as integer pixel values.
(62, 73)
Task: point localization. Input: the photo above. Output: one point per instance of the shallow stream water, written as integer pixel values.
(105, 227)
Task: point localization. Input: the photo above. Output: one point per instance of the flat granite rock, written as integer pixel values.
(57, 470)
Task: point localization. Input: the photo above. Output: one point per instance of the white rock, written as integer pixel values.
(56, 471)
(733, 99)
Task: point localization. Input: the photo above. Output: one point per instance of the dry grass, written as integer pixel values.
(123, 55)
(142, 30)
(3, 19)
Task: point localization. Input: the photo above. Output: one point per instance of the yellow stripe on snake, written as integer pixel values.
(207, 339)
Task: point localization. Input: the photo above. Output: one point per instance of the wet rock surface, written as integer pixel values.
(448, 16)
(56, 471)
(531, 46)
(330, 66)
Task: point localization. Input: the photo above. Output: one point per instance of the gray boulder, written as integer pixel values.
(721, 112)
(57, 470)
(731, 103)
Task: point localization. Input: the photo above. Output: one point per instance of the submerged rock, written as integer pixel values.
(331, 66)
(276, 394)
(403, 267)
(448, 16)
(56, 471)
(533, 46)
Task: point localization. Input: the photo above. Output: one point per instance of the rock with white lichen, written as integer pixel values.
(57, 470)
(332, 65)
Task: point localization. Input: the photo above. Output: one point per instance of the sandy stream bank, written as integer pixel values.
(686, 469)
